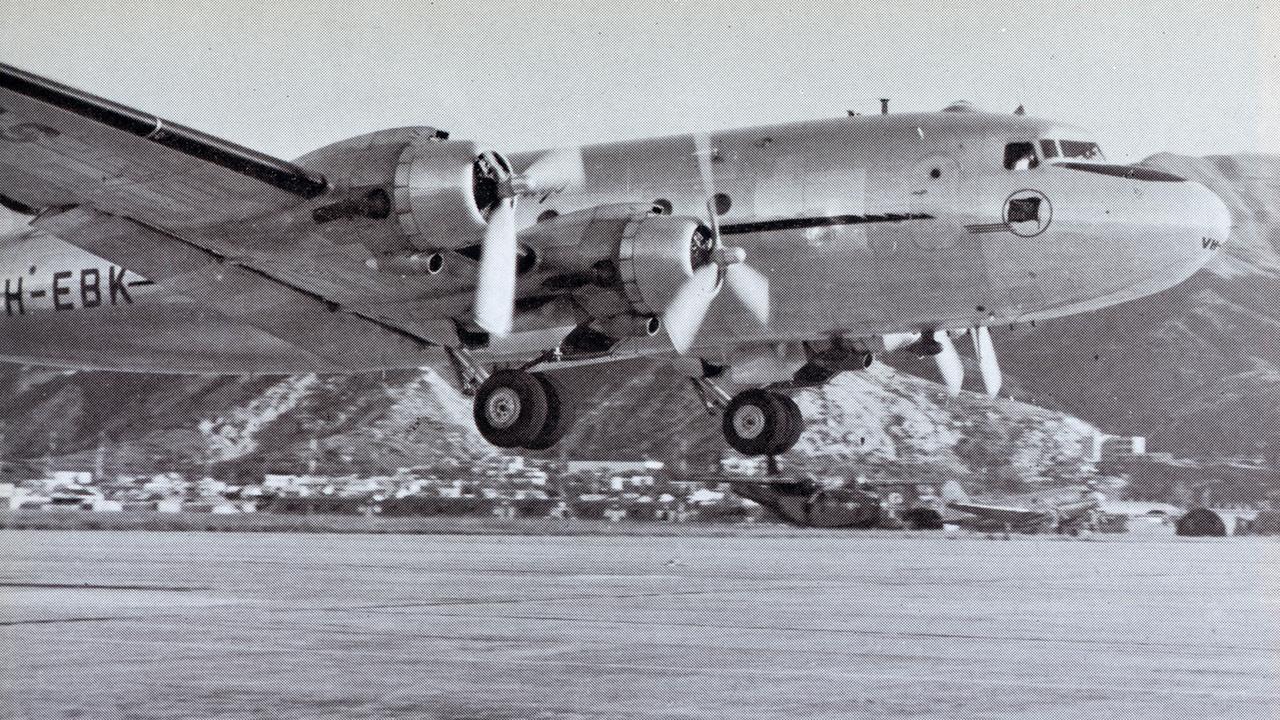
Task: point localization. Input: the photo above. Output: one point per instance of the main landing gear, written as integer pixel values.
(760, 422)
(517, 409)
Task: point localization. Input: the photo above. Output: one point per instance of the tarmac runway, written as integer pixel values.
(242, 625)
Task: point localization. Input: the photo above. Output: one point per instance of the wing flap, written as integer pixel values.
(148, 252)
(250, 293)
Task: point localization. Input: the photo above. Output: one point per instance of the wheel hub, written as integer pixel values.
(749, 422)
(503, 408)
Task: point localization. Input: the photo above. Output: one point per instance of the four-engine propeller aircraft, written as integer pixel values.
(154, 247)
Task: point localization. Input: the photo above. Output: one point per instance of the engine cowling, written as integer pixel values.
(444, 192)
(407, 189)
(656, 256)
(624, 263)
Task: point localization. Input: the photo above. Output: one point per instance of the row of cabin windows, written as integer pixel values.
(1022, 155)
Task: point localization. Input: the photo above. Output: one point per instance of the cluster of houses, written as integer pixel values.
(500, 486)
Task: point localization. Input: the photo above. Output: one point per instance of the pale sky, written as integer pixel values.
(1193, 77)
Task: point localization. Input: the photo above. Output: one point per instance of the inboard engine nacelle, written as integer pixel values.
(624, 263)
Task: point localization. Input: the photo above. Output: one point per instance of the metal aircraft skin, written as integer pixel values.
(156, 248)
(806, 502)
(1043, 516)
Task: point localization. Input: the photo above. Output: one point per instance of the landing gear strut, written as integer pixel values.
(517, 409)
(759, 422)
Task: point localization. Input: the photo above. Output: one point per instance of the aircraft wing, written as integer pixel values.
(332, 326)
(176, 206)
(1011, 515)
(61, 147)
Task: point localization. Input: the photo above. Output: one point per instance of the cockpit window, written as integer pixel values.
(1049, 148)
(1082, 149)
(1020, 156)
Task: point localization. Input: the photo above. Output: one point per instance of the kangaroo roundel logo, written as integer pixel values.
(1028, 213)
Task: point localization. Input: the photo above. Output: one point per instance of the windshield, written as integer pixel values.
(1082, 149)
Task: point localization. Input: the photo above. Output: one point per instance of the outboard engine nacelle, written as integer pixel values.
(406, 189)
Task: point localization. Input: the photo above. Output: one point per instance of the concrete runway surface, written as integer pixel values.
(196, 625)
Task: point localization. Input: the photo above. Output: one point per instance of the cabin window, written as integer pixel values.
(1081, 149)
(1049, 148)
(1020, 156)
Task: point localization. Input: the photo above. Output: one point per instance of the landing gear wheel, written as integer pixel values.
(511, 408)
(795, 425)
(560, 416)
(758, 422)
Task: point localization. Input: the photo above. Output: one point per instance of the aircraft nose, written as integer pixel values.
(1209, 215)
(1194, 219)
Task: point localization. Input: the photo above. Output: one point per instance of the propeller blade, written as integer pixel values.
(555, 171)
(752, 288)
(496, 282)
(704, 153)
(949, 363)
(689, 307)
(988, 363)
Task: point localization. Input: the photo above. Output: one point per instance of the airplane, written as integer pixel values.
(1042, 517)
(806, 501)
(153, 247)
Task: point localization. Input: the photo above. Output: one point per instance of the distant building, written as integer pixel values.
(618, 482)
(70, 477)
(614, 467)
(1108, 448)
(169, 505)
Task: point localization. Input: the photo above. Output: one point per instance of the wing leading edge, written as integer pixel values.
(60, 146)
(180, 208)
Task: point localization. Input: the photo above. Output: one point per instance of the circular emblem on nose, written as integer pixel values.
(1028, 213)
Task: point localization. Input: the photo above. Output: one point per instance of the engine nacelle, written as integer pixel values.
(444, 192)
(623, 263)
(406, 189)
(656, 256)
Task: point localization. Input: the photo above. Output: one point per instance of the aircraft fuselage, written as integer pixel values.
(864, 226)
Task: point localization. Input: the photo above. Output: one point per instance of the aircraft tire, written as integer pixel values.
(795, 425)
(560, 415)
(756, 422)
(510, 408)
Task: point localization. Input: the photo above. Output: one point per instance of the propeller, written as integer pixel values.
(554, 172)
(685, 313)
(952, 368)
(949, 363)
(496, 281)
(988, 363)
